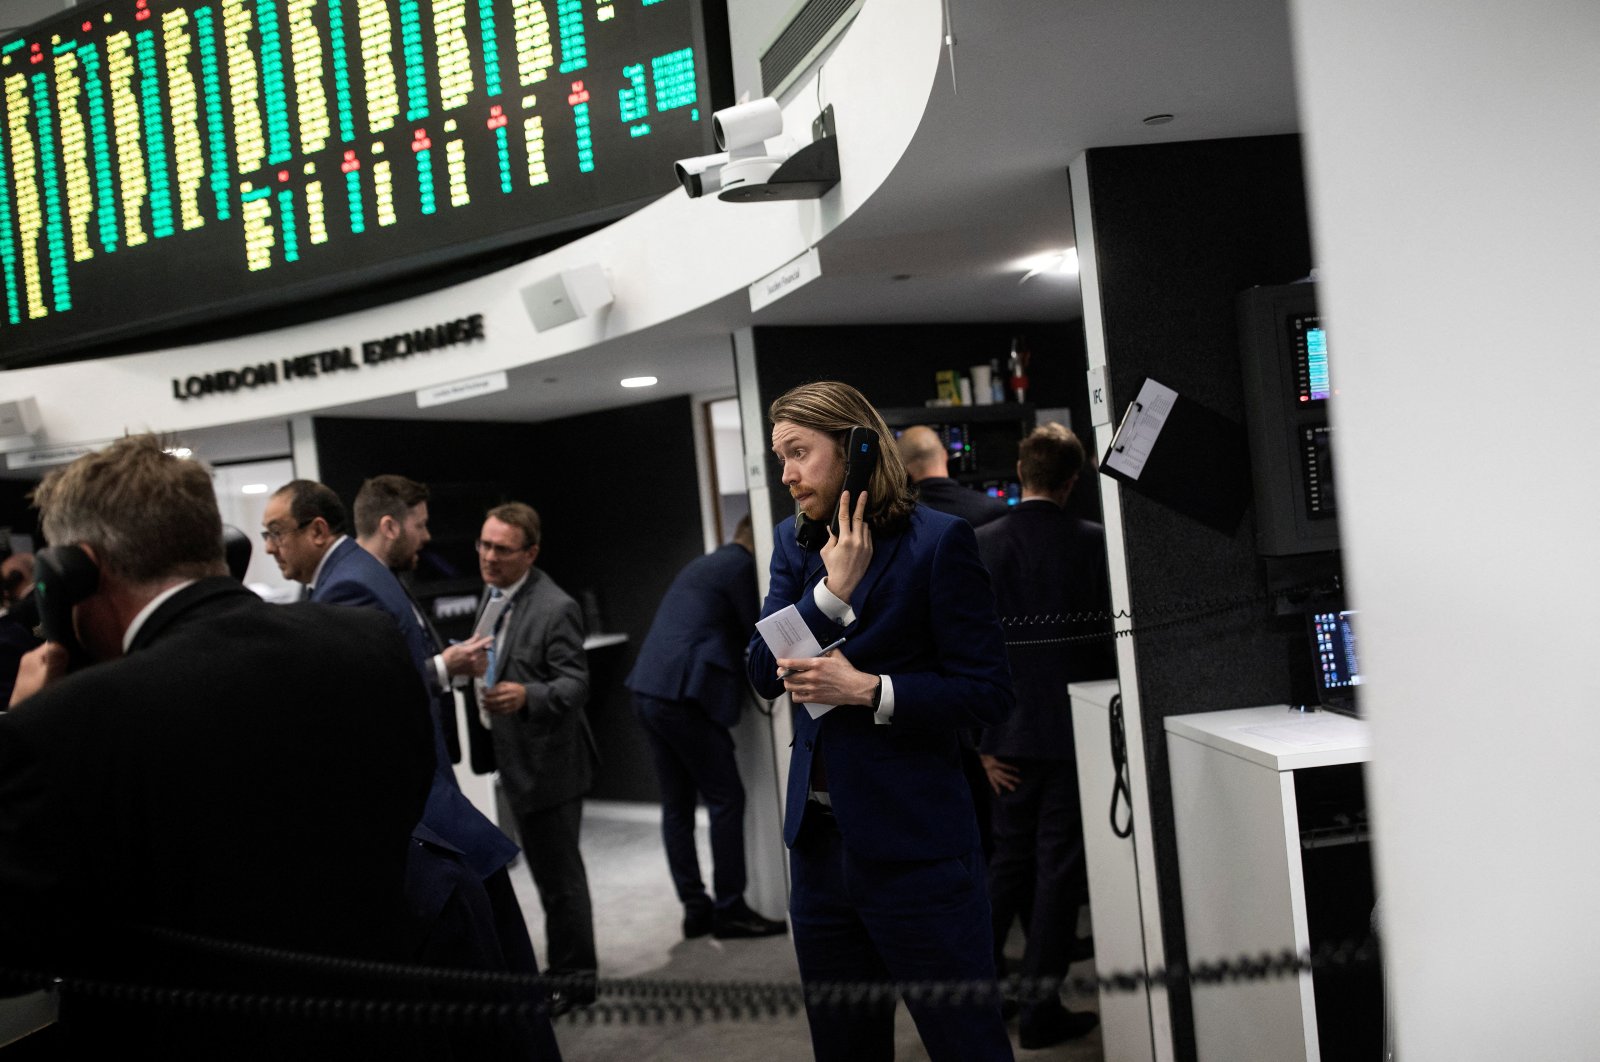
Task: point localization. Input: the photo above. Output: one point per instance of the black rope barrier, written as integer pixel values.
(645, 1000)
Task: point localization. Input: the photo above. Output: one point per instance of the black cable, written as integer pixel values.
(1120, 789)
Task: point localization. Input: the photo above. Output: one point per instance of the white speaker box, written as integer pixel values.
(19, 424)
(567, 296)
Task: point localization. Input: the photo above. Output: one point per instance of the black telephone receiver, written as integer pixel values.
(860, 461)
(63, 576)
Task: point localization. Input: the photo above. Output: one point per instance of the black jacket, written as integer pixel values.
(247, 771)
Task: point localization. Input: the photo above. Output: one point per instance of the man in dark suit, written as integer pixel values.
(928, 464)
(888, 880)
(534, 695)
(688, 691)
(303, 525)
(391, 518)
(225, 767)
(1050, 568)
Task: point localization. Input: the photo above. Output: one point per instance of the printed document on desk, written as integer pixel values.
(787, 635)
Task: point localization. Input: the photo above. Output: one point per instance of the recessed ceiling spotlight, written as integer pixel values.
(639, 381)
(181, 452)
(901, 276)
(253, 488)
(1051, 263)
(1158, 119)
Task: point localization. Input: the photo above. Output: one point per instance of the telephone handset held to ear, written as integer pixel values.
(860, 461)
(63, 576)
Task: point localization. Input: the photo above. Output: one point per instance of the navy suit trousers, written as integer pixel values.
(1037, 870)
(694, 757)
(858, 919)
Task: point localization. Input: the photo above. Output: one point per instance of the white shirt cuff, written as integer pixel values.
(440, 673)
(885, 710)
(838, 611)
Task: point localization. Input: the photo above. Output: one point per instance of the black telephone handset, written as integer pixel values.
(63, 576)
(860, 461)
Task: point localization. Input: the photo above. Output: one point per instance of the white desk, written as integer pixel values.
(1239, 857)
(1113, 880)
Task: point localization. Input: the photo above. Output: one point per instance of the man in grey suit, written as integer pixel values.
(533, 695)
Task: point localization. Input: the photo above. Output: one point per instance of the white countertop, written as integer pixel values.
(1098, 692)
(1277, 737)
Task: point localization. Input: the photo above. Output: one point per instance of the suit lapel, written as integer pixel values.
(883, 554)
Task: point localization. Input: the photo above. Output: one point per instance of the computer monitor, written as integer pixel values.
(1336, 660)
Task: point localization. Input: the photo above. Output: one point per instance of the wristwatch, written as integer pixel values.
(877, 693)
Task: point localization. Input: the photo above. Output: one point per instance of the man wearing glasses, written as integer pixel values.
(304, 531)
(533, 697)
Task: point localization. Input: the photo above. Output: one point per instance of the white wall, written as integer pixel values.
(1454, 150)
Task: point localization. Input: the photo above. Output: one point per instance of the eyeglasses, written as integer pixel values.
(497, 550)
(273, 537)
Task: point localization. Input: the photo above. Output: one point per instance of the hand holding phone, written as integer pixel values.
(849, 551)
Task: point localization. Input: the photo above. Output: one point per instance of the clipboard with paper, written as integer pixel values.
(1177, 452)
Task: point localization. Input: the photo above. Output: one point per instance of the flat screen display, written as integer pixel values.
(1310, 341)
(1336, 650)
(163, 162)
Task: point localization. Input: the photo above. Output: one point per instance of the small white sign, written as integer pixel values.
(54, 455)
(1099, 397)
(794, 274)
(462, 390)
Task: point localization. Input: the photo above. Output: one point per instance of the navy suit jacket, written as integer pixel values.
(352, 576)
(948, 496)
(695, 648)
(1047, 565)
(925, 617)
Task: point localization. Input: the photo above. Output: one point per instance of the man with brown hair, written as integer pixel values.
(887, 875)
(1045, 563)
(224, 767)
(534, 695)
(391, 515)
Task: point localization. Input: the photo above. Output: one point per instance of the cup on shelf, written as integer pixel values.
(982, 384)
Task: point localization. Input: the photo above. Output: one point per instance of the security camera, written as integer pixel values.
(701, 175)
(759, 162)
(743, 132)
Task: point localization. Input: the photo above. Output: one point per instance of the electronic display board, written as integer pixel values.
(167, 161)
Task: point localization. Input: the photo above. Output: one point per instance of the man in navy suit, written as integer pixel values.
(1049, 567)
(303, 526)
(888, 881)
(688, 690)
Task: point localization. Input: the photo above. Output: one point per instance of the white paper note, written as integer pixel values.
(1140, 428)
(787, 635)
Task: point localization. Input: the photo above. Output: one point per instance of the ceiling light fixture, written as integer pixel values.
(1054, 263)
(639, 381)
(253, 488)
(181, 452)
(1158, 119)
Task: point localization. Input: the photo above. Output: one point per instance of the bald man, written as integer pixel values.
(928, 463)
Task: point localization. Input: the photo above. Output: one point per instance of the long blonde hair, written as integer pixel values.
(834, 408)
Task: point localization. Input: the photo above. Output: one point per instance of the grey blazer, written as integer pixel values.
(546, 752)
